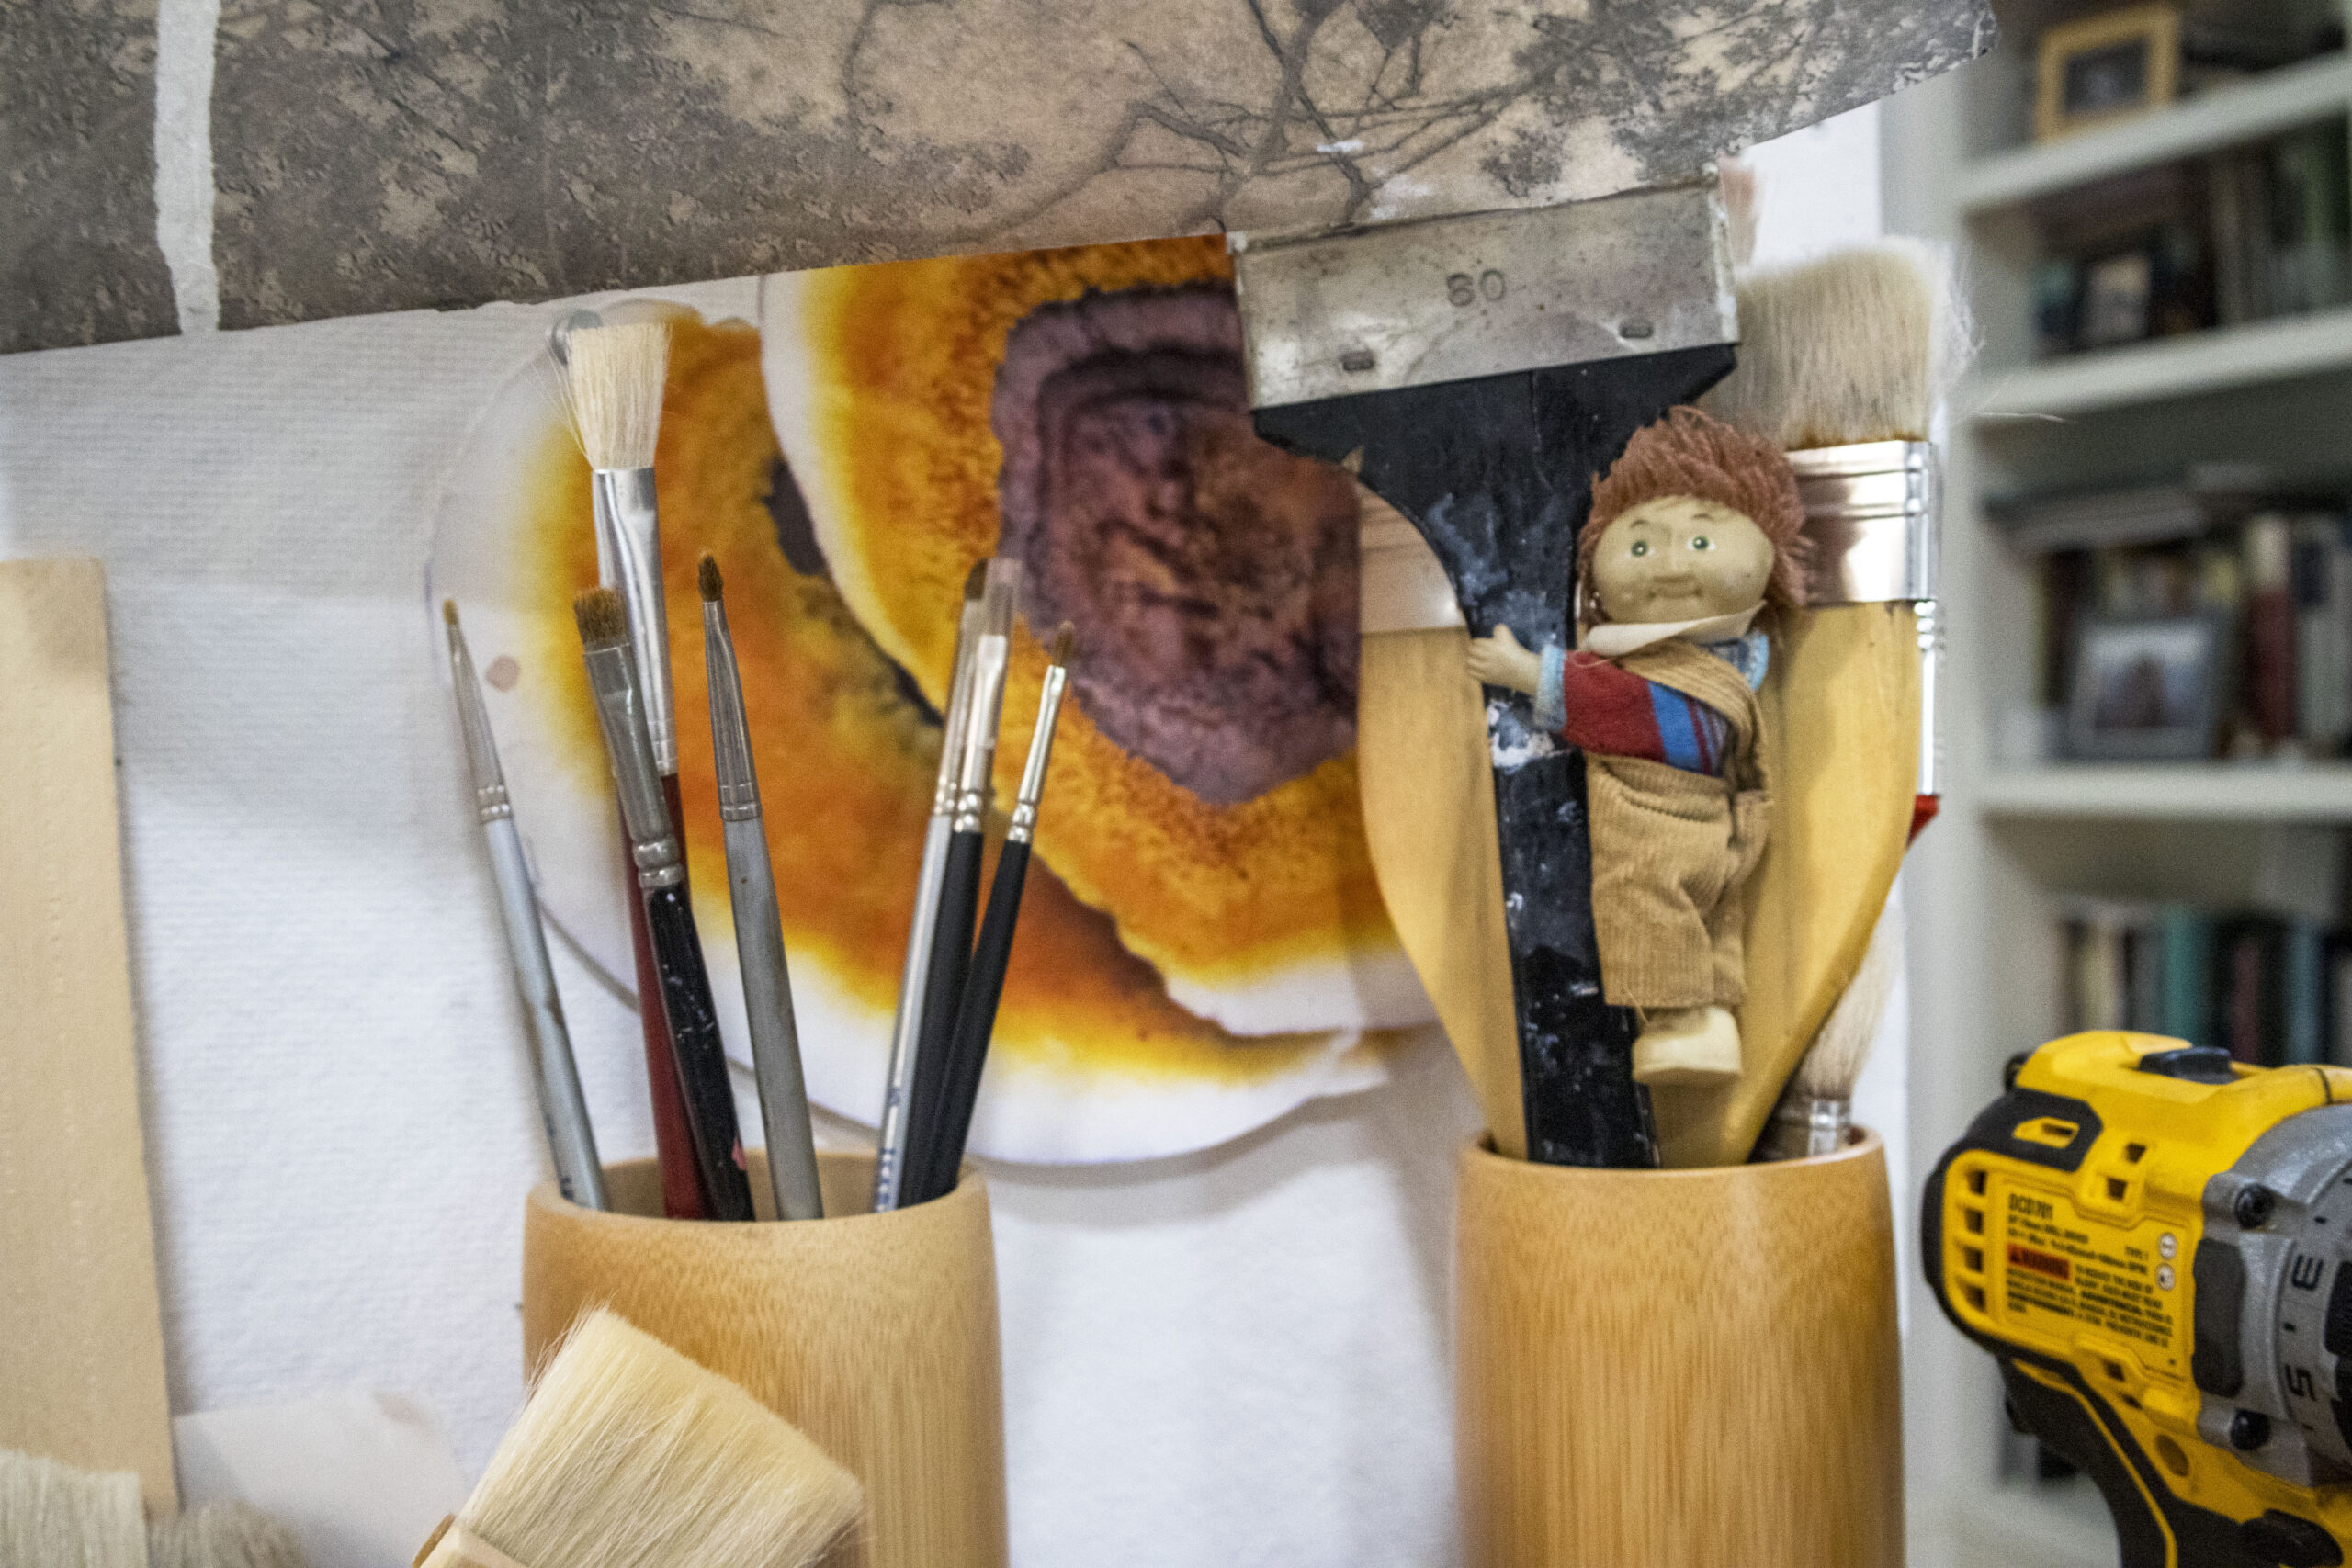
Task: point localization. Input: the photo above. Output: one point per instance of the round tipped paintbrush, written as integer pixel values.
(759, 925)
(967, 1051)
(563, 1111)
(959, 883)
(898, 1098)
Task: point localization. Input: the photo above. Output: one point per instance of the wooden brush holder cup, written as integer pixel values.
(1678, 1369)
(875, 1333)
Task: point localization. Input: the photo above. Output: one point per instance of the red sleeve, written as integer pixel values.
(1609, 709)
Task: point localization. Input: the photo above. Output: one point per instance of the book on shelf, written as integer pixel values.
(2254, 592)
(2246, 233)
(2272, 991)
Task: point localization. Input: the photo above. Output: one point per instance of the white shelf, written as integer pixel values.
(2276, 101)
(2185, 790)
(2183, 366)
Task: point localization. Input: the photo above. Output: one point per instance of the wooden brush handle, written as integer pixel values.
(1841, 728)
(452, 1545)
(701, 1055)
(951, 965)
(673, 1146)
(968, 1054)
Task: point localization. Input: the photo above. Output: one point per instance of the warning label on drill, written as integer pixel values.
(2096, 1275)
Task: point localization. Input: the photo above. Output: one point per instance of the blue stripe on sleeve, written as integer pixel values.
(1678, 729)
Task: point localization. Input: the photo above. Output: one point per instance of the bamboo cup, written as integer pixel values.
(875, 1333)
(1678, 1369)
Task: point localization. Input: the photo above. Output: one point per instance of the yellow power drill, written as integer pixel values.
(2153, 1242)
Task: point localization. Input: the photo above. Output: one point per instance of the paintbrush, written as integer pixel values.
(890, 1145)
(759, 926)
(1815, 1115)
(630, 1456)
(959, 882)
(976, 1014)
(53, 1516)
(563, 1111)
(612, 379)
(1842, 361)
(682, 989)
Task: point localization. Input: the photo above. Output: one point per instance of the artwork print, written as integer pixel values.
(1203, 946)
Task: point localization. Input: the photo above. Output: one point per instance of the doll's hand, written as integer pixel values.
(1498, 660)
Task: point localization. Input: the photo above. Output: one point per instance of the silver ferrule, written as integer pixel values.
(1931, 643)
(491, 802)
(959, 711)
(986, 702)
(628, 522)
(730, 734)
(652, 847)
(1041, 752)
(1870, 515)
(1802, 1127)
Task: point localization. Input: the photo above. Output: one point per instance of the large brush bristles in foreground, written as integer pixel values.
(630, 1456)
(52, 1516)
(223, 1535)
(612, 387)
(1857, 346)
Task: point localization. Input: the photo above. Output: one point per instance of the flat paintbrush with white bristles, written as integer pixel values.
(612, 380)
(630, 1456)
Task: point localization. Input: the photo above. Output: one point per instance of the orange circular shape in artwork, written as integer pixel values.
(1086, 409)
(1094, 1057)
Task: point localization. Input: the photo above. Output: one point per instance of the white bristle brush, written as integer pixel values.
(53, 1516)
(630, 1456)
(1815, 1115)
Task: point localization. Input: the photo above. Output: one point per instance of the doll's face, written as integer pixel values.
(1681, 558)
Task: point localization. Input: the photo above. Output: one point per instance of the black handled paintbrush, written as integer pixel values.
(669, 916)
(959, 886)
(967, 1052)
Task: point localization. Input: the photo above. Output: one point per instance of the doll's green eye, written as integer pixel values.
(1640, 547)
(1701, 542)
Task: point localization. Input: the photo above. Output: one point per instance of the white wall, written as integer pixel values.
(1232, 1357)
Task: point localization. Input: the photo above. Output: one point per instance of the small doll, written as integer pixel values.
(1693, 532)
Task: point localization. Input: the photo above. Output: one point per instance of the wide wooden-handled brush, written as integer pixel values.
(1426, 774)
(1842, 362)
(630, 1456)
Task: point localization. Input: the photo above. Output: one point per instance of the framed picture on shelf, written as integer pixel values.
(2117, 292)
(2107, 68)
(2147, 690)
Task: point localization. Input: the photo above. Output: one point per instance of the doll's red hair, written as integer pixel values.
(1688, 452)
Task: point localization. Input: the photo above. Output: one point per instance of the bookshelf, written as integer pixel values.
(2019, 835)
(2217, 791)
(2216, 360)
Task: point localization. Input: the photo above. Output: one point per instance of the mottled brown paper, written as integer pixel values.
(387, 154)
(78, 258)
(404, 152)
